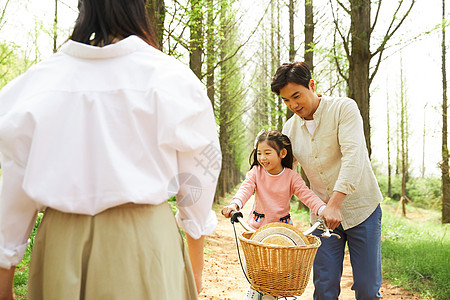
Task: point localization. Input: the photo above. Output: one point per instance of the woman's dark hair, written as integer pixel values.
(99, 22)
(277, 141)
(297, 72)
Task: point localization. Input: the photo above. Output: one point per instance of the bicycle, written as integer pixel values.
(277, 271)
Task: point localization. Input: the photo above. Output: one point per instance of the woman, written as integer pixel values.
(99, 136)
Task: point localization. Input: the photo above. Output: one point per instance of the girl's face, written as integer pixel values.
(269, 159)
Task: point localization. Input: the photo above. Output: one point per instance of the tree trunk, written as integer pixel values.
(271, 67)
(210, 60)
(389, 191)
(223, 137)
(309, 34)
(55, 28)
(359, 55)
(196, 39)
(359, 61)
(210, 53)
(291, 31)
(404, 137)
(289, 113)
(156, 12)
(423, 140)
(309, 60)
(262, 105)
(445, 159)
(397, 159)
(280, 105)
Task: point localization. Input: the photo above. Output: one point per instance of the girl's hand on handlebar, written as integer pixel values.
(227, 210)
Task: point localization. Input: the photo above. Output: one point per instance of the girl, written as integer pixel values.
(273, 182)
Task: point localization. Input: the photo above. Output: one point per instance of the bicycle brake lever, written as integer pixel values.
(329, 233)
(320, 224)
(313, 227)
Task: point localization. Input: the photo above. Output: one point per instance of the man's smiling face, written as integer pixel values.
(300, 100)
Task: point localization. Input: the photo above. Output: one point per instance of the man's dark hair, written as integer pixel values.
(297, 72)
(101, 21)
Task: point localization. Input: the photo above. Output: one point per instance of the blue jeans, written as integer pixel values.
(365, 257)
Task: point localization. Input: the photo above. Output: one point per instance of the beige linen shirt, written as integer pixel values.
(335, 158)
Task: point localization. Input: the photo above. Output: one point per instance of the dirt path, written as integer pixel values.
(223, 277)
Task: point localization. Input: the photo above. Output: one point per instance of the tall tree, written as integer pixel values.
(230, 93)
(309, 60)
(291, 31)
(157, 12)
(423, 139)
(309, 34)
(276, 110)
(445, 158)
(357, 44)
(292, 51)
(263, 71)
(397, 143)
(210, 53)
(404, 139)
(281, 108)
(196, 39)
(55, 28)
(389, 193)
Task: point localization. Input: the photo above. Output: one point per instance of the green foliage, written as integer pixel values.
(299, 215)
(11, 63)
(21, 274)
(173, 203)
(416, 255)
(423, 192)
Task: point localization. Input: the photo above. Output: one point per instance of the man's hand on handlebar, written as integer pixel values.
(227, 210)
(332, 217)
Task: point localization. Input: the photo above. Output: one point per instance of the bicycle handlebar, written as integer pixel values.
(237, 217)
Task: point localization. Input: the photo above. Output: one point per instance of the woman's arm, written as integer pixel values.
(195, 248)
(6, 283)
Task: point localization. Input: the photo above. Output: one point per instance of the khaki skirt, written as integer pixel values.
(126, 252)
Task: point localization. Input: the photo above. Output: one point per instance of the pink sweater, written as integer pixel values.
(273, 194)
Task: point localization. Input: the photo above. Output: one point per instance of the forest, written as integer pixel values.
(234, 47)
(355, 48)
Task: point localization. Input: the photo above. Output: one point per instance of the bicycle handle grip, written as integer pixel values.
(235, 215)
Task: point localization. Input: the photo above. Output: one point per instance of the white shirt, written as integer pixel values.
(92, 128)
(311, 126)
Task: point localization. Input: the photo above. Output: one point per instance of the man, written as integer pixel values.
(328, 141)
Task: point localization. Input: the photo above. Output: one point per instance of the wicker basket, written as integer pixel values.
(278, 270)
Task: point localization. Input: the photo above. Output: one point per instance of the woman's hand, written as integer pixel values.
(227, 210)
(195, 248)
(6, 283)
